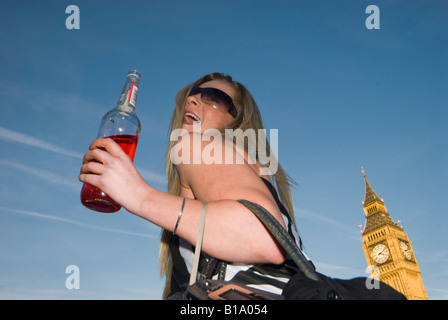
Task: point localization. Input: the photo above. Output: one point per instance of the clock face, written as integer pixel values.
(406, 250)
(380, 253)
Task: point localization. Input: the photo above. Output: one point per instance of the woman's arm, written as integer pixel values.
(232, 232)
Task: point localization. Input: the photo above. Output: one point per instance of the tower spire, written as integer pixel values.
(375, 210)
(370, 195)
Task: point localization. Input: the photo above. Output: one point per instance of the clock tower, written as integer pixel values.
(388, 247)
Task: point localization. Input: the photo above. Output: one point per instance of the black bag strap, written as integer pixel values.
(283, 238)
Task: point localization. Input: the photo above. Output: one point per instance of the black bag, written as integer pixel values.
(307, 284)
(303, 288)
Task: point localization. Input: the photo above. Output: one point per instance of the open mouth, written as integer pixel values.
(191, 117)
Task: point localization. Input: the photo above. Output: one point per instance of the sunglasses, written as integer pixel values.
(216, 98)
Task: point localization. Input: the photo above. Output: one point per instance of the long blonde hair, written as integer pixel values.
(248, 117)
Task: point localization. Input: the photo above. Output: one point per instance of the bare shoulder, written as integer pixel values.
(215, 169)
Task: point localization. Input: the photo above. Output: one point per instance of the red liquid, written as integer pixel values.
(95, 199)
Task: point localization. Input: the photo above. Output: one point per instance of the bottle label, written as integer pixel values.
(132, 98)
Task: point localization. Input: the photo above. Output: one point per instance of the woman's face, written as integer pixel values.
(199, 115)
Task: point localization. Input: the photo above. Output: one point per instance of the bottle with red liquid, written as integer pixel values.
(122, 125)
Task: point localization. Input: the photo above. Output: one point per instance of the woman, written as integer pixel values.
(232, 233)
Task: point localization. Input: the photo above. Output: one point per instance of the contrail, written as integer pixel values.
(51, 177)
(81, 224)
(14, 136)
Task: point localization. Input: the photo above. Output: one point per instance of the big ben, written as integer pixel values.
(388, 247)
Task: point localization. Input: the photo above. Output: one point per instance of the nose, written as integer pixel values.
(193, 100)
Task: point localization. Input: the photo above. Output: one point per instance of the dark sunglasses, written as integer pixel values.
(216, 98)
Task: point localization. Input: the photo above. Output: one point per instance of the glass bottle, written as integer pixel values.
(122, 125)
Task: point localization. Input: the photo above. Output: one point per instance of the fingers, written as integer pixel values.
(92, 168)
(96, 155)
(108, 145)
(105, 156)
(101, 150)
(93, 179)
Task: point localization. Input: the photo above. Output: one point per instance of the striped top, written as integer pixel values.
(268, 277)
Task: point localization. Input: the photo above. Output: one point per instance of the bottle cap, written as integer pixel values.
(134, 75)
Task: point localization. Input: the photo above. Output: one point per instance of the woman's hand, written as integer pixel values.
(109, 168)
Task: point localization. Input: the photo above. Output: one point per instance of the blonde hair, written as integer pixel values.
(248, 117)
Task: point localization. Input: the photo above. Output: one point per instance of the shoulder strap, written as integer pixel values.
(283, 238)
(197, 252)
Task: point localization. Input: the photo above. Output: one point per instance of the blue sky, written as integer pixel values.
(340, 95)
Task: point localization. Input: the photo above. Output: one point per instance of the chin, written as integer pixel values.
(191, 128)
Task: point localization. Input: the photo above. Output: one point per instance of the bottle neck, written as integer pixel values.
(128, 97)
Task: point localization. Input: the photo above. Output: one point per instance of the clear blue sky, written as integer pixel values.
(340, 95)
